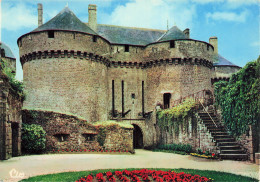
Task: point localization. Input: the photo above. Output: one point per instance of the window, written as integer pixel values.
(2, 53)
(89, 136)
(172, 44)
(166, 100)
(51, 34)
(126, 48)
(74, 35)
(133, 96)
(94, 38)
(61, 137)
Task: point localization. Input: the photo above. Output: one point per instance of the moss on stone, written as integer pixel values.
(112, 123)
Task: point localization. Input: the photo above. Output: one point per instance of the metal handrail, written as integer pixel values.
(208, 114)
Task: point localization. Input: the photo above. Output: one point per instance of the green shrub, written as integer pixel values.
(33, 138)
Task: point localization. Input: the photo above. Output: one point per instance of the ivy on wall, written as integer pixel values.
(16, 85)
(171, 118)
(239, 99)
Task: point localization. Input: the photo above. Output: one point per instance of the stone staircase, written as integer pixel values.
(229, 148)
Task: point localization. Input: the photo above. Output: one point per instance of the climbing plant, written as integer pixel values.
(239, 99)
(16, 85)
(171, 118)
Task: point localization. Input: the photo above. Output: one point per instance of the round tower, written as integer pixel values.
(177, 67)
(65, 68)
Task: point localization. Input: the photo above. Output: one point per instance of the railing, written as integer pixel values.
(203, 97)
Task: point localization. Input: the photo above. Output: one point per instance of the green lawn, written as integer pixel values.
(73, 176)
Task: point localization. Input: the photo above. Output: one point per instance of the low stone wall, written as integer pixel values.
(190, 131)
(70, 133)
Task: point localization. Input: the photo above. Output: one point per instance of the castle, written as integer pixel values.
(102, 72)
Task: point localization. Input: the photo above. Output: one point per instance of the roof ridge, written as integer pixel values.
(137, 28)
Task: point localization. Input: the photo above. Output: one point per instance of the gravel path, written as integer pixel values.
(17, 168)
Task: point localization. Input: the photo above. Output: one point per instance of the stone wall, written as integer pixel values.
(250, 142)
(190, 130)
(67, 85)
(67, 132)
(10, 116)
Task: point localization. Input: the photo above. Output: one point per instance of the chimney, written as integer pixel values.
(92, 17)
(39, 14)
(214, 41)
(187, 33)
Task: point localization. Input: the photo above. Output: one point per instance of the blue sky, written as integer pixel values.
(234, 22)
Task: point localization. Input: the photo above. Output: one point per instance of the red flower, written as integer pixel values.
(85, 150)
(213, 154)
(58, 150)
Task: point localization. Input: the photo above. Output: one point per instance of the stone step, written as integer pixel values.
(232, 151)
(216, 130)
(221, 136)
(230, 147)
(227, 144)
(219, 133)
(210, 125)
(219, 140)
(234, 156)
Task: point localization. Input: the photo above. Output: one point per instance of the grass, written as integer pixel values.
(73, 176)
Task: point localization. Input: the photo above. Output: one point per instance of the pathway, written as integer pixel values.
(26, 166)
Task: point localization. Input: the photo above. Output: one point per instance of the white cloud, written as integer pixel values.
(228, 16)
(17, 16)
(153, 14)
(230, 3)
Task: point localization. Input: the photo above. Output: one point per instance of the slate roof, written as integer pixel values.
(129, 35)
(8, 51)
(173, 34)
(223, 62)
(65, 20)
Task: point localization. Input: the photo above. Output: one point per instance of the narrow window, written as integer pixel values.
(2, 53)
(123, 109)
(207, 47)
(166, 100)
(143, 98)
(126, 48)
(113, 98)
(51, 34)
(74, 35)
(89, 137)
(172, 44)
(94, 38)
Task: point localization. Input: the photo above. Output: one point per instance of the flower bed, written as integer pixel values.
(88, 150)
(211, 156)
(143, 175)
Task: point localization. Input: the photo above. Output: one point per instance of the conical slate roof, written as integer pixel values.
(8, 51)
(173, 34)
(65, 20)
(221, 61)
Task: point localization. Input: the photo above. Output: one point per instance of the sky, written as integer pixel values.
(234, 22)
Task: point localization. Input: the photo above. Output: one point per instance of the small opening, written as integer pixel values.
(62, 137)
(126, 48)
(166, 100)
(51, 34)
(94, 38)
(207, 47)
(89, 137)
(2, 53)
(172, 44)
(74, 35)
(133, 96)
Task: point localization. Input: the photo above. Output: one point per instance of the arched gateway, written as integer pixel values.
(138, 137)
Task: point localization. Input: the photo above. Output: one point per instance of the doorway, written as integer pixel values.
(166, 100)
(137, 137)
(15, 134)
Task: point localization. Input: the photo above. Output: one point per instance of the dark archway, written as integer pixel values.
(138, 137)
(15, 134)
(166, 100)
